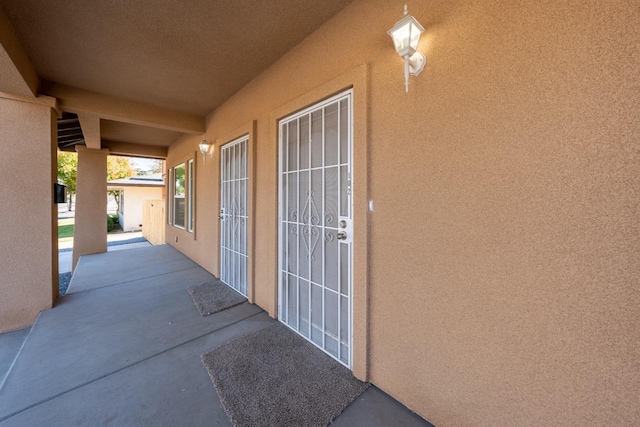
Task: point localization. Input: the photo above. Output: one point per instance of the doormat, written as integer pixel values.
(274, 377)
(212, 297)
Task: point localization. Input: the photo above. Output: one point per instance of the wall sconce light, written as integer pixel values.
(206, 148)
(406, 35)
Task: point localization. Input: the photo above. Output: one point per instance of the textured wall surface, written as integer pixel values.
(134, 198)
(90, 230)
(504, 262)
(28, 270)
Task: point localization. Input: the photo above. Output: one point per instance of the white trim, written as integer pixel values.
(169, 196)
(283, 314)
(236, 275)
(191, 195)
(175, 196)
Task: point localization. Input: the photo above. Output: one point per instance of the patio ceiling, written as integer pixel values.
(148, 71)
(69, 132)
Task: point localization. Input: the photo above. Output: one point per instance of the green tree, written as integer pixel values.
(68, 172)
(117, 168)
(179, 177)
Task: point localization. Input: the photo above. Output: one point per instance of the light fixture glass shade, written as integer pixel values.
(406, 35)
(204, 146)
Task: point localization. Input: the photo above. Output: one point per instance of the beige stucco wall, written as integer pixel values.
(133, 201)
(90, 230)
(503, 249)
(28, 267)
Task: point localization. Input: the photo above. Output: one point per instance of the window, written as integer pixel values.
(121, 212)
(181, 196)
(178, 196)
(169, 193)
(191, 197)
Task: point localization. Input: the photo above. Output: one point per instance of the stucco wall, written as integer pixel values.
(503, 248)
(28, 269)
(90, 230)
(133, 198)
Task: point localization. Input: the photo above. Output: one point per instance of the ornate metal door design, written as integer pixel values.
(233, 214)
(315, 225)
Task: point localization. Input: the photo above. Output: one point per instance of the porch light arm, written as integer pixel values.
(406, 73)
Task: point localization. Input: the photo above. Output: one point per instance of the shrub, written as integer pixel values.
(110, 223)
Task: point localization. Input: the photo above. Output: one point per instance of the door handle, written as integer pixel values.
(342, 235)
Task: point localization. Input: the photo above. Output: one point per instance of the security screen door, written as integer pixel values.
(233, 215)
(315, 225)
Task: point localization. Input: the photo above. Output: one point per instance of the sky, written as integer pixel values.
(142, 164)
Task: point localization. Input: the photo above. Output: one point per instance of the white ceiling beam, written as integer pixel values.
(17, 74)
(80, 101)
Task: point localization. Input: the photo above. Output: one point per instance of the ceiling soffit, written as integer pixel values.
(127, 132)
(188, 57)
(151, 71)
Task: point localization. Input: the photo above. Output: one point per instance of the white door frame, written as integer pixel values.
(307, 223)
(234, 214)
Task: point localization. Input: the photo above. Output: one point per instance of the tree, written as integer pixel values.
(68, 172)
(156, 166)
(149, 166)
(118, 168)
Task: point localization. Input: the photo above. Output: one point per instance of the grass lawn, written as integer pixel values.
(65, 232)
(65, 229)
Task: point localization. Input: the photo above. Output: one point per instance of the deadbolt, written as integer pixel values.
(342, 235)
(342, 223)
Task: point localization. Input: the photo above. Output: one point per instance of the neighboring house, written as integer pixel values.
(471, 246)
(133, 192)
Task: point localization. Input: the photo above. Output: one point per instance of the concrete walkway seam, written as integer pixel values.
(129, 281)
(123, 368)
(4, 380)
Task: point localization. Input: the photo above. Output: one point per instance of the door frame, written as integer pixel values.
(241, 141)
(357, 80)
(249, 130)
(335, 99)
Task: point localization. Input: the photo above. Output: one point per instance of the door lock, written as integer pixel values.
(345, 229)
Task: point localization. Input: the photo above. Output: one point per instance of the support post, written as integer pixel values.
(90, 231)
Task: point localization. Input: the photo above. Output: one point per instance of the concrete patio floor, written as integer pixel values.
(123, 348)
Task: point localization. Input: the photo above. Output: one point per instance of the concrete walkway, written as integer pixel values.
(123, 348)
(115, 242)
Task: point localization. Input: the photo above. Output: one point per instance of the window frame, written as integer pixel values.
(183, 196)
(169, 196)
(191, 195)
(188, 196)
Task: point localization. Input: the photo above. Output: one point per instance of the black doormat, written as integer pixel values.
(212, 297)
(274, 377)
